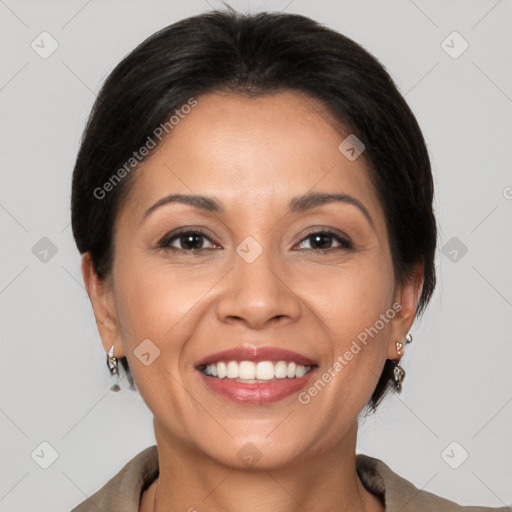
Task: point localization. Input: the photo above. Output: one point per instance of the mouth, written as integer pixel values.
(255, 372)
(256, 375)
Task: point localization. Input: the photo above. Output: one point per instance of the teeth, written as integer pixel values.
(246, 370)
(221, 370)
(265, 370)
(281, 370)
(300, 371)
(261, 371)
(232, 370)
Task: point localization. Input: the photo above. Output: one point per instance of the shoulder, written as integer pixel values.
(122, 492)
(401, 495)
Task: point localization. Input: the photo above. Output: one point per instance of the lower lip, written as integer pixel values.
(241, 392)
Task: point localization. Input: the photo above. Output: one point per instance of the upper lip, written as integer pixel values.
(256, 354)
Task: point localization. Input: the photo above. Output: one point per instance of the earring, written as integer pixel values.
(112, 362)
(113, 366)
(398, 371)
(408, 338)
(399, 376)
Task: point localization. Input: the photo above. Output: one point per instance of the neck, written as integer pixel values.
(190, 481)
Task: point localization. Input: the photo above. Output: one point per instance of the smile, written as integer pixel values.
(256, 375)
(254, 372)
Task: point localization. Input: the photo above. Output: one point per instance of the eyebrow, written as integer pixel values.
(297, 204)
(313, 199)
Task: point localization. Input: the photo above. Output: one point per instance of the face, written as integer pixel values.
(285, 259)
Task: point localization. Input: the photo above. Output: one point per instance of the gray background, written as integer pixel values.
(54, 381)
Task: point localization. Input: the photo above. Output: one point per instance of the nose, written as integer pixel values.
(258, 294)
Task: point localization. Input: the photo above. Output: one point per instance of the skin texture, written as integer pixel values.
(253, 156)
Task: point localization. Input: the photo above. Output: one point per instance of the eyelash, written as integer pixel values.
(165, 242)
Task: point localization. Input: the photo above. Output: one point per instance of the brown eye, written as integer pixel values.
(186, 240)
(323, 240)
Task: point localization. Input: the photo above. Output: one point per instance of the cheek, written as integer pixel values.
(353, 297)
(153, 298)
(357, 307)
(152, 307)
(163, 305)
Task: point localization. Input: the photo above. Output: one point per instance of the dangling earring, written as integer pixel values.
(113, 366)
(399, 375)
(398, 371)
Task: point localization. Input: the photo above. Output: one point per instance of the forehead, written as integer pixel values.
(248, 150)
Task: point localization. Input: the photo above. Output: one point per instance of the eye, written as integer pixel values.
(321, 241)
(194, 240)
(187, 240)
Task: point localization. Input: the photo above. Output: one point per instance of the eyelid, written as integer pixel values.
(335, 233)
(167, 238)
(324, 229)
(344, 240)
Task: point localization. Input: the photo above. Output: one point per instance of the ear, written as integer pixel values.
(103, 304)
(407, 295)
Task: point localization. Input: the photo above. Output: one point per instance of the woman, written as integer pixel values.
(253, 202)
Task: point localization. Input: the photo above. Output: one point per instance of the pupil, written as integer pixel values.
(193, 241)
(320, 240)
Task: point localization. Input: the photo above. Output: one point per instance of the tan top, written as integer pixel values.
(122, 493)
